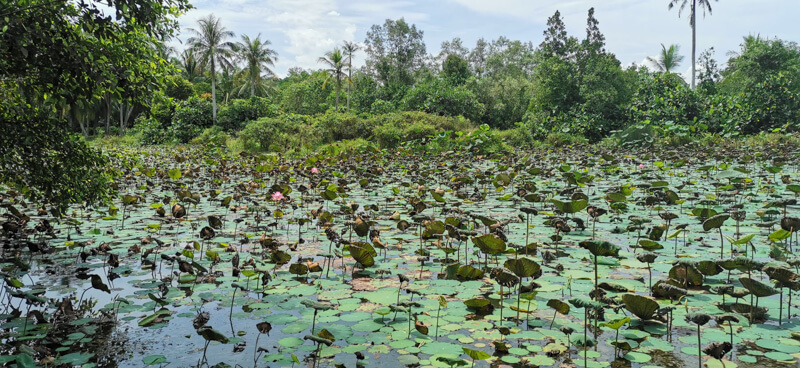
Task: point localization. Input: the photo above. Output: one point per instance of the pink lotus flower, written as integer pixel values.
(314, 170)
(641, 166)
(277, 196)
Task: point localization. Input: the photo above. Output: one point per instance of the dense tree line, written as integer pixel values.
(71, 68)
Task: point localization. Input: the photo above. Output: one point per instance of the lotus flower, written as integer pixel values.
(277, 196)
(314, 170)
(641, 166)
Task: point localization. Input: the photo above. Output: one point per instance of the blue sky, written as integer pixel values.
(303, 30)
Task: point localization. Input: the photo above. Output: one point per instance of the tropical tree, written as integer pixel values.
(259, 58)
(668, 60)
(190, 67)
(706, 6)
(350, 49)
(334, 66)
(212, 48)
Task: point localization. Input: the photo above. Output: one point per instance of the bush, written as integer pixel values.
(380, 107)
(149, 130)
(334, 126)
(438, 97)
(163, 110)
(287, 132)
(233, 116)
(178, 88)
(213, 136)
(191, 117)
(392, 129)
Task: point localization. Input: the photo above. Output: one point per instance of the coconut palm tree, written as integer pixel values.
(210, 45)
(259, 58)
(190, 67)
(668, 60)
(706, 6)
(334, 65)
(350, 49)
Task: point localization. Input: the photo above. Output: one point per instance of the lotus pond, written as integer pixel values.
(401, 258)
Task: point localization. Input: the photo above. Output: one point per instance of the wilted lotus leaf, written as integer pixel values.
(214, 222)
(489, 244)
(207, 233)
(178, 211)
(523, 267)
(641, 306)
(600, 248)
(758, 288)
(325, 334)
(718, 349)
(698, 318)
(715, 221)
(264, 327)
(211, 334)
(790, 224)
(558, 306)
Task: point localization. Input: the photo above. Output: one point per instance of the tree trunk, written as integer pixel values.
(349, 81)
(108, 112)
(694, 38)
(213, 92)
(253, 88)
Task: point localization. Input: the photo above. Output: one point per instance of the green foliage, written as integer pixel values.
(506, 99)
(302, 93)
(213, 136)
(380, 107)
(49, 165)
(455, 70)
(395, 52)
(333, 126)
(392, 129)
(436, 96)
(149, 130)
(662, 98)
(162, 110)
(191, 117)
(234, 115)
(175, 86)
(274, 134)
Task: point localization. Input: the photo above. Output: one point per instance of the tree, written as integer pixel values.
(334, 63)
(259, 58)
(56, 56)
(395, 53)
(669, 59)
(210, 45)
(190, 67)
(350, 48)
(706, 6)
(455, 70)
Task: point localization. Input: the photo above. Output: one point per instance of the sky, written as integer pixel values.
(303, 30)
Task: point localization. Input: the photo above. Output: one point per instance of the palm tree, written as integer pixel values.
(259, 58)
(350, 48)
(210, 46)
(706, 6)
(190, 67)
(668, 60)
(334, 63)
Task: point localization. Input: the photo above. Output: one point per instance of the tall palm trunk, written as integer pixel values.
(253, 88)
(349, 80)
(213, 92)
(694, 38)
(338, 88)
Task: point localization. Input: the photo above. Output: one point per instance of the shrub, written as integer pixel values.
(191, 117)
(382, 107)
(438, 97)
(163, 110)
(149, 130)
(178, 88)
(213, 136)
(233, 116)
(391, 129)
(333, 126)
(287, 132)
